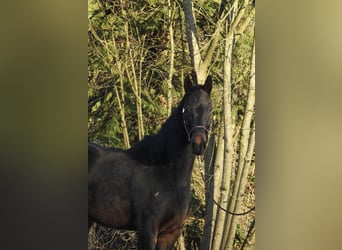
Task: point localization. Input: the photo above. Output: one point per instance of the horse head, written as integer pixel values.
(196, 112)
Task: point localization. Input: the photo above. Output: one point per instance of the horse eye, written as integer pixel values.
(184, 110)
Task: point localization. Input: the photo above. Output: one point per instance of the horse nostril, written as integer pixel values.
(198, 144)
(197, 139)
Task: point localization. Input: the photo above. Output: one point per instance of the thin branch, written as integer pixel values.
(215, 38)
(245, 24)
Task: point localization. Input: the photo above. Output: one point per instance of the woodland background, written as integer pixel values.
(138, 55)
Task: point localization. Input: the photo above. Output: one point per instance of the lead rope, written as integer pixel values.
(200, 163)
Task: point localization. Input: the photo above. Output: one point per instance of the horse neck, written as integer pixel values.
(183, 166)
(168, 148)
(177, 147)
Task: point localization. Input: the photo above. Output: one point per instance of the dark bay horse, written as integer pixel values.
(147, 187)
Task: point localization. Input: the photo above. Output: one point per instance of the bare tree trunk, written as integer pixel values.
(172, 56)
(180, 241)
(228, 147)
(212, 44)
(247, 164)
(218, 169)
(201, 65)
(244, 25)
(236, 22)
(123, 119)
(209, 187)
(134, 81)
(192, 36)
(120, 96)
(183, 48)
(245, 142)
(136, 87)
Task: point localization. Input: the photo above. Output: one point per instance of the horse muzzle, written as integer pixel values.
(198, 142)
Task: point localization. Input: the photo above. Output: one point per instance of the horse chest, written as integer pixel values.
(172, 204)
(171, 192)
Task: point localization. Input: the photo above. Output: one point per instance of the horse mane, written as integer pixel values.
(164, 146)
(168, 143)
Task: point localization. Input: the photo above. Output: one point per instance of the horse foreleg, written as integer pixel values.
(167, 241)
(147, 236)
(90, 223)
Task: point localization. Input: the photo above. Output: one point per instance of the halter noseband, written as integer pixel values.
(191, 130)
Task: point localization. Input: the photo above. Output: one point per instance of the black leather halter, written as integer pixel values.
(189, 132)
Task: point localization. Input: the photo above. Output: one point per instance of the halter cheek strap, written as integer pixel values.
(188, 133)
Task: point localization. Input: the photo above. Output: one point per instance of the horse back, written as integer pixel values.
(109, 172)
(94, 152)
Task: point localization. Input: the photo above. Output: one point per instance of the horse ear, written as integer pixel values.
(208, 85)
(187, 84)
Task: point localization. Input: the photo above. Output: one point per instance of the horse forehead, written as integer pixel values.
(198, 98)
